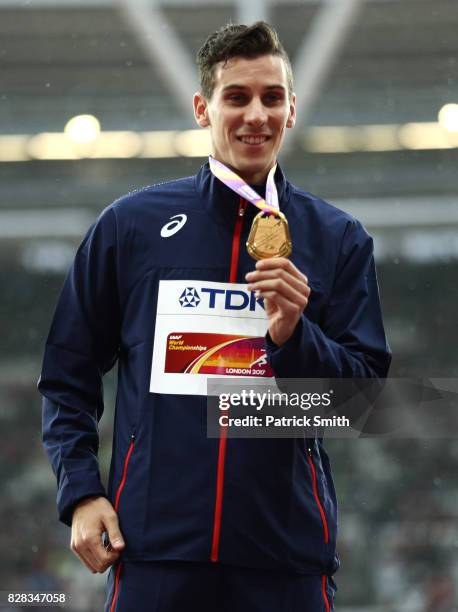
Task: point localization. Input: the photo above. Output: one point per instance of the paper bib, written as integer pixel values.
(203, 330)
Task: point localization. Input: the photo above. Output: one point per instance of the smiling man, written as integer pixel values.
(164, 283)
(248, 103)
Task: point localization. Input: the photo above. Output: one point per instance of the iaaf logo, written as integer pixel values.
(230, 299)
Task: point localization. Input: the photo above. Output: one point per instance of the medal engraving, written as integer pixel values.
(269, 236)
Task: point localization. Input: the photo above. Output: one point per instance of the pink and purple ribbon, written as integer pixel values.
(269, 205)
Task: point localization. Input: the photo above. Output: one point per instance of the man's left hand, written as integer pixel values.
(285, 291)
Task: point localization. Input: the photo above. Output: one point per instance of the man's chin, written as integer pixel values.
(256, 167)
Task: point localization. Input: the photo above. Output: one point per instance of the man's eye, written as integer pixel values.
(271, 98)
(236, 98)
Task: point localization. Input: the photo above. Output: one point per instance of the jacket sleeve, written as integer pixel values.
(82, 346)
(350, 340)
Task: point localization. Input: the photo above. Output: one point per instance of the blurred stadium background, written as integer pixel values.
(377, 85)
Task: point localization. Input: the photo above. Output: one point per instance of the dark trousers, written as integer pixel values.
(184, 586)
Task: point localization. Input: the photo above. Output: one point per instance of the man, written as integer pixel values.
(193, 522)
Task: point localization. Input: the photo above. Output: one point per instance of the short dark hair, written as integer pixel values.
(239, 41)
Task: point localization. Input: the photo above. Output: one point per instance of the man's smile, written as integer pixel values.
(253, 139)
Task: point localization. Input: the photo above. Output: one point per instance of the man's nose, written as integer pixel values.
(255, 113)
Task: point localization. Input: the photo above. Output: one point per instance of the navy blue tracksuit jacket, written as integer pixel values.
(263, 503)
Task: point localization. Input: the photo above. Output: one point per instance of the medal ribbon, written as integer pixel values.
(236, 183)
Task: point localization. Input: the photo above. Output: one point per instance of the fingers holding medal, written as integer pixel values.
(285, 291)
(279, 275)
(275, 278)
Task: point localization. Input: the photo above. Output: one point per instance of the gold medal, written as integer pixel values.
(269, 236)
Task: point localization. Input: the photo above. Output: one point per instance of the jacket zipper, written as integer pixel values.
(236, 240)
(317, 497)
(223, 431)
(116, 506)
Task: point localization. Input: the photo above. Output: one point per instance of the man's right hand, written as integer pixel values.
(91, 517)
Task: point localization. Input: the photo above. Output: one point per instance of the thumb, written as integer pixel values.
(114, 533)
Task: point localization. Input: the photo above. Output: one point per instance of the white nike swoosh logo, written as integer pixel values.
(174, 226)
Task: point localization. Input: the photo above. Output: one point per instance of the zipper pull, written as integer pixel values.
(242, 207)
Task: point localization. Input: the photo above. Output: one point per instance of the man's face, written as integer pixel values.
(247, 114)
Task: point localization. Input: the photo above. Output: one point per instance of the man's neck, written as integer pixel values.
(255, 179)
(258, 179)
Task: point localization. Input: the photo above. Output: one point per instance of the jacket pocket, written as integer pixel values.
(321, 510)
(124, 472)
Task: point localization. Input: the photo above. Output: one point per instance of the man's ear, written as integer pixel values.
(201, 110)
(292, 112)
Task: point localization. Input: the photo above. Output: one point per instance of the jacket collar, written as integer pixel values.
(222, 203)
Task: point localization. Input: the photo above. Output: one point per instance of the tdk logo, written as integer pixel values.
(229, 299)
(189, 298)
